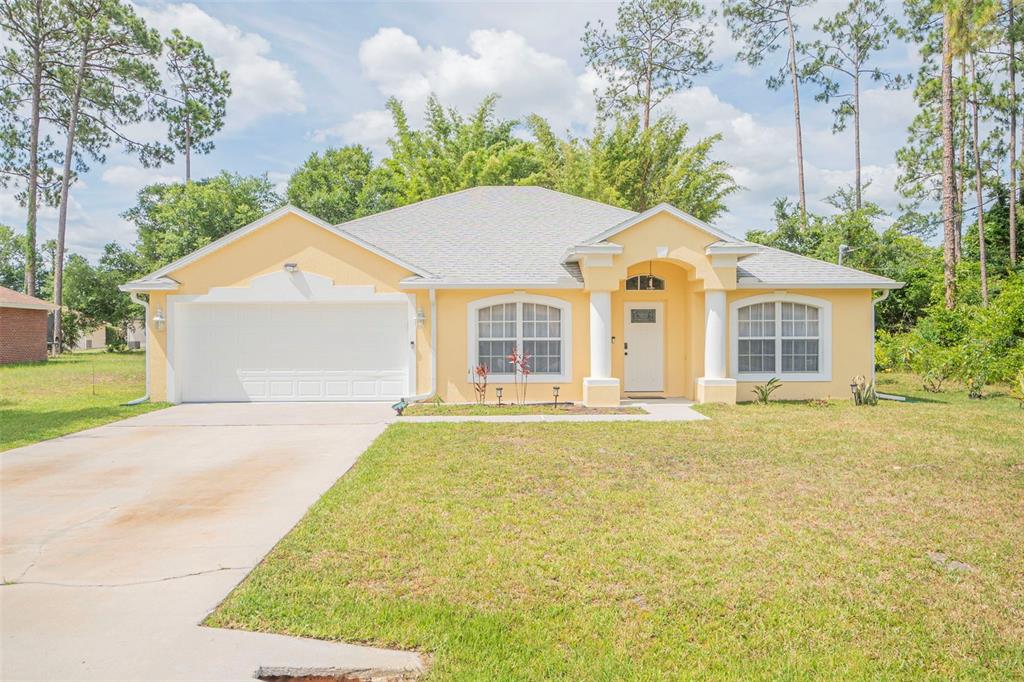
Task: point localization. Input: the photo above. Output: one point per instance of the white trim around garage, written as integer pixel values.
(297, 288)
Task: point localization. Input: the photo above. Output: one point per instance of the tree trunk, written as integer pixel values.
(1013, 135)
(65, 186)
(856, 136)
(949, 227)
(647, 88)
(33, 156)
(796, 119)
(959, 177)
(188, 152)
(977, 187)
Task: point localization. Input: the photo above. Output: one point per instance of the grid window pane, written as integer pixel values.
(757, 355)
(494, 354)
(799, 355)
(541, 337)
(542, 333)
(800, 343)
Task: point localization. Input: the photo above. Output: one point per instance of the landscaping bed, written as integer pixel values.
(476, 410)
(791, 540)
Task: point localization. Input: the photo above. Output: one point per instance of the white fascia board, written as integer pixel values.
(751, 283)
(662, 208)
(267, 219)
(568, 283)
(731, 249)
(573, 254)
(158, 284)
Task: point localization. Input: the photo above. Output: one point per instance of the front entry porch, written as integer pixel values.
(661, 334)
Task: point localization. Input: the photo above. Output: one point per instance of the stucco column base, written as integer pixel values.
(602, 392)
(716, 391)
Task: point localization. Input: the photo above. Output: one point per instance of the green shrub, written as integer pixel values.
(763, 393)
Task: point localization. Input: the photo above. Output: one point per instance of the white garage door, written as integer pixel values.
(292, 352)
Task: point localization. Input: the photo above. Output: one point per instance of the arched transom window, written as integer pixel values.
(645, 283)
(784, 336)
(538, 325)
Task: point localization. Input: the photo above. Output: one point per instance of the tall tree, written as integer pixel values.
(110, 84)
(978, 182)
(36, 33)
(1011, 86)
(196, 104)
(761, 26)
(176, 219)
(949, 227)
(656, 49)
(613, 166)
(850, 38)
(331, 185)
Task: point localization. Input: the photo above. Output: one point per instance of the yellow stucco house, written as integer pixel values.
(609, 303)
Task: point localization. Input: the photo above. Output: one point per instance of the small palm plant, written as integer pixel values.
(864, 392)
(763, 393)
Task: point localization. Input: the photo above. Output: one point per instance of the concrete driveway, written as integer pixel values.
(116, 542)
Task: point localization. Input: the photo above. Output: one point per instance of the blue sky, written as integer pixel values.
(310, 75)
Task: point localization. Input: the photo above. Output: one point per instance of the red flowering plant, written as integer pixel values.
(520, 361)
(480, 373)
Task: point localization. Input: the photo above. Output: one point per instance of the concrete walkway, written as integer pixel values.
(657, 411)
(116, 542)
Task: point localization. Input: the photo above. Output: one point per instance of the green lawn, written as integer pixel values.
(473, 410)
(69, 393)
(790, 541)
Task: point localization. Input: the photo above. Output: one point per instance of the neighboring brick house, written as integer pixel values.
(22, 327)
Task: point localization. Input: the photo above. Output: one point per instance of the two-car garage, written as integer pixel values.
(291, 337)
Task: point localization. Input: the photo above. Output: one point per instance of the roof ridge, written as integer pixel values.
(415, 203)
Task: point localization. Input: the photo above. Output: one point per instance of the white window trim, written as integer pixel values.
(473, 307)
(824, 307)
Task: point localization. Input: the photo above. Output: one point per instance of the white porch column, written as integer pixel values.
(600, 334)
(714, 334)
(600, 389)
(715, 386)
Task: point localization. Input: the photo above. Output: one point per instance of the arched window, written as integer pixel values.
(645, 283)
(787, 336)
(538, 325)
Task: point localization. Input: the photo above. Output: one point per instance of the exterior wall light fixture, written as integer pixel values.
(158, 318)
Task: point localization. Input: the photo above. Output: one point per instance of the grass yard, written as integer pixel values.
(790, 541)
(69, 393)
(473, 410)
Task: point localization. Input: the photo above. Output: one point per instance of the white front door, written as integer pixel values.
(644, 347)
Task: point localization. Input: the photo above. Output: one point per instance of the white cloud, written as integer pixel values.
(260, 86)
(528, 80)
(133, 178)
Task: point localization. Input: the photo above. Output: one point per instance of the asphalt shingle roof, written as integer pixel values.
(517, 235)
(777, 267)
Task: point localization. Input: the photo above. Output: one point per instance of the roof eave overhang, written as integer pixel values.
(29, 306)
(144, 285)
(567, 283)
(731, 249)
(574, 253)
(753, 283)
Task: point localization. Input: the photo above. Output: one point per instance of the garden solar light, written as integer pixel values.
(554, 392)
(498, 390)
